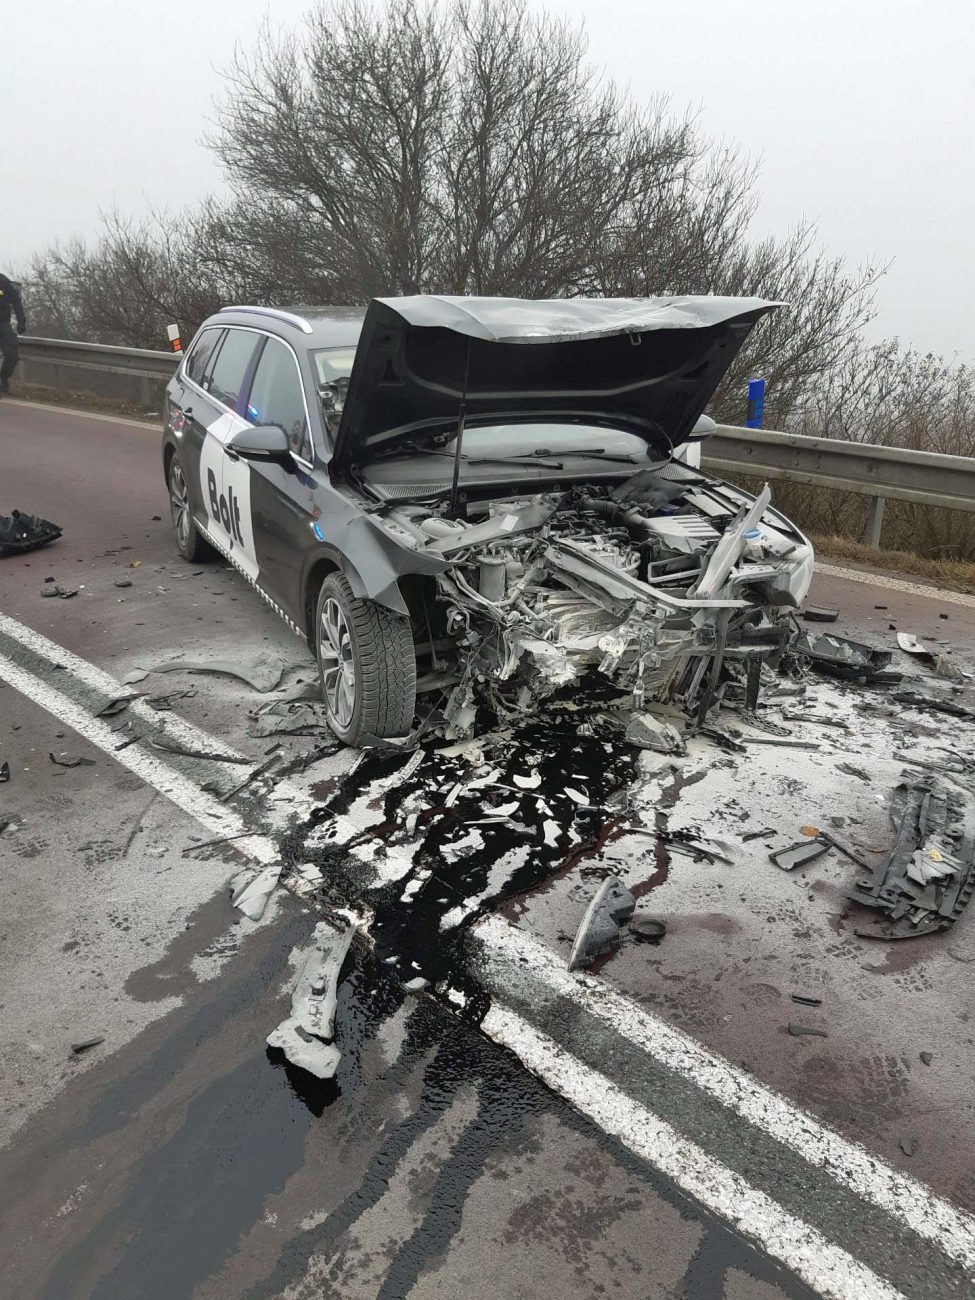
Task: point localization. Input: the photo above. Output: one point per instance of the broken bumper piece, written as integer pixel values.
(929, 875)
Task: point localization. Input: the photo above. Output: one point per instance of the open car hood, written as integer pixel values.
(644, 365)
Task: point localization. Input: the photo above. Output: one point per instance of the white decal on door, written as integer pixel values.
(226, 487)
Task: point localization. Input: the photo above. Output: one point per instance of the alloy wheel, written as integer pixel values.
(179, 503)
(338, 667)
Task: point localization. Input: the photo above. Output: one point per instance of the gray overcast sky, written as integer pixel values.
(862, 112)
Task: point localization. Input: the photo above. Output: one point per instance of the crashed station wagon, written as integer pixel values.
(469, 504)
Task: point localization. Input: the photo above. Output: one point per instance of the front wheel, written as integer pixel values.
(190, 543)
(367, 665)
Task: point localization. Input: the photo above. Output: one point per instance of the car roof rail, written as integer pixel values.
(287, 316)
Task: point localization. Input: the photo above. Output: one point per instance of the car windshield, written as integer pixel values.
(332, 364)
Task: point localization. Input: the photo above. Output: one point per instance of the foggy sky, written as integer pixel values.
(861, 111)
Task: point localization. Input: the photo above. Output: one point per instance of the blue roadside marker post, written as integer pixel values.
(756, 403)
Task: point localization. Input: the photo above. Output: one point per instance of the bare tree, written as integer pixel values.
(460, 146)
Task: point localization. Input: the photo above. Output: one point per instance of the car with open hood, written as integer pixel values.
(468, 504)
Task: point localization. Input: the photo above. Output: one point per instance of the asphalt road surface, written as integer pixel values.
(651, 1128)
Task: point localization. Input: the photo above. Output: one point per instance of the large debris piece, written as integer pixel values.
(20, 532)
(840, 657)
(307, 1036)
(929, 875)
(600, 928)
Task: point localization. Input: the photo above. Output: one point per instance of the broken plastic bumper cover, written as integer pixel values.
(929, 875)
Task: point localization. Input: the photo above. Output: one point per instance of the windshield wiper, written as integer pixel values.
(499, 460)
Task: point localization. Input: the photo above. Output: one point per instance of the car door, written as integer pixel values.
(224, 483)
(282, 493)
(191, 410)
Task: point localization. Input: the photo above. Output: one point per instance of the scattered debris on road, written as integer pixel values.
(806, 1031)
(251, 896)
(600, 928)
(62, 593)
(71, 762)
(115, 706)
(307, 1037)
(20, 532)
(262, 670)
(87, 1044)
(841, 657)
(4, 772)
(820, 614)
(929, 875)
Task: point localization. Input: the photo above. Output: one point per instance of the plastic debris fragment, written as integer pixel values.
(251, 897)
(20, 532)
(600, 928)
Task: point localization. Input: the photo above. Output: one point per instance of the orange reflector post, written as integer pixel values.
(173, 333)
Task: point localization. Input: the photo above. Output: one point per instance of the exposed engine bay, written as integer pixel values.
(671, 586)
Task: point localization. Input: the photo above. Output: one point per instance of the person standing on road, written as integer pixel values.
(10, 301)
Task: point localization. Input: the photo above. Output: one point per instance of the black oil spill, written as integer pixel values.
(579, 787)
(452, 1058)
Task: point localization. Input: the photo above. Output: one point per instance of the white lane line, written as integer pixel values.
(152, 427)
(293, 800)
(830, 1270)
(900, 1195)
(178, 789)
(897, 584)
(98, 680)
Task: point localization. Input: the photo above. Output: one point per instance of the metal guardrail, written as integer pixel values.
(924, 477)
(100, 356)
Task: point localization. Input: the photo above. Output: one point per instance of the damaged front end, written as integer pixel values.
(670, 586)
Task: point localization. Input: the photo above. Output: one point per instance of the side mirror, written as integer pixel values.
(263, 442)
(703, 429)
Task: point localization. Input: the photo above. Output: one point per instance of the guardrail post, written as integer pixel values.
(875, 522)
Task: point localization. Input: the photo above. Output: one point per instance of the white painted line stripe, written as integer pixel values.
(824, 1266)
(296, 802)
(900, 1195)
(897, 584)
(98, 680)
(154, 426)
(178, 789)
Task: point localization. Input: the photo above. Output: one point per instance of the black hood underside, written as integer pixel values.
(647, 366)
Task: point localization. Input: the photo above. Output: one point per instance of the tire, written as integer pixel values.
(190, 543)
(366, 665)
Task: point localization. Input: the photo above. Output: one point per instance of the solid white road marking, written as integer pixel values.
(178, 789)
(827, 1268)
(903, 1197)
(291, 800)
(153, 427)
(897, 584)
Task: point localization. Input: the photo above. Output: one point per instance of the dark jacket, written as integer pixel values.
(10, 300)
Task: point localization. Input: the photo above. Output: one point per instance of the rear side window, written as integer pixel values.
(200, 354)
(230, 367)
(276, 396)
